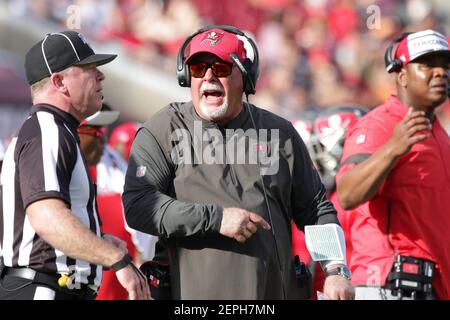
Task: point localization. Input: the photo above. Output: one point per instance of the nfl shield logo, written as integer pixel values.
(140, 171)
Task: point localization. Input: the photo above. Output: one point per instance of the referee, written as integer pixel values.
(51, 240)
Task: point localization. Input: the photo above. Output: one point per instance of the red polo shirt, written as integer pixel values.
(417, 195)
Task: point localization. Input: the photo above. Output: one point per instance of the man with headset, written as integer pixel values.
(219, 180)
(396, 174)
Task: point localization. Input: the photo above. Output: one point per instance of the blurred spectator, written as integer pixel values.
(122, 138)
(15, 98)
(107, 169)
(237, 13)
(343, 19)
(311, 46)
(324, 135)
(171, 26)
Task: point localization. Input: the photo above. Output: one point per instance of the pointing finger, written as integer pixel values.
(258, 220)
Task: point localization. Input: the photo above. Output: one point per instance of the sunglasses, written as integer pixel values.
(219, 69)
(97, 132)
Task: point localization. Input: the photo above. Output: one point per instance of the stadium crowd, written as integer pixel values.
(307, 48)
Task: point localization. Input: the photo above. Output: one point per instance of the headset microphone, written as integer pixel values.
(249, 88)
(266, 200)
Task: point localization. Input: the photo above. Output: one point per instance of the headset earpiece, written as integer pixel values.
(252, 77)
(249, 87)
(249, 69)
(392, 64)
(183, 75)
(253, 69)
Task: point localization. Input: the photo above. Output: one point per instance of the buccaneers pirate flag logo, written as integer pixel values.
(213, 37)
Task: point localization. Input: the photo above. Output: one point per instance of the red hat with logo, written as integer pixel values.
(218, 42)
(421, 43)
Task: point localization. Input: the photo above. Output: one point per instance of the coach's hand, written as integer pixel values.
(338, 288)
(241, 224)
(413, 128)
(132, 279)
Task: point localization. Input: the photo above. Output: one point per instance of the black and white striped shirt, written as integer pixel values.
(45, 161)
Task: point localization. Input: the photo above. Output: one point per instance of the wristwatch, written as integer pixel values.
(342, 271)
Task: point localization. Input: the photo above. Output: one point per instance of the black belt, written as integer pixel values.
(49, 280)
(411, 277)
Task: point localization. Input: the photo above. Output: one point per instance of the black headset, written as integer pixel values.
(249, 69)
(392, 64)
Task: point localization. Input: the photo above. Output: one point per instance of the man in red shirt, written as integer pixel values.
(395, 174)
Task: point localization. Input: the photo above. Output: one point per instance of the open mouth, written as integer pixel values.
(214, 93)
(211, 95)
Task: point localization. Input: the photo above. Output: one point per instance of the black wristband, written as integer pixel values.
(122, 263)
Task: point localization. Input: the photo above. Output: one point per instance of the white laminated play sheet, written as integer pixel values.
(323, 242)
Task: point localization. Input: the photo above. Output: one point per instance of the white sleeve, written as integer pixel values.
(144, 242)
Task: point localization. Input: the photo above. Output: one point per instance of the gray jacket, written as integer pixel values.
(176, 190)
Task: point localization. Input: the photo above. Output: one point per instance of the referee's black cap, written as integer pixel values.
(59, 51)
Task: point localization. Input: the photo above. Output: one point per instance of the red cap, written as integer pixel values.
(420, 43)
(122, 137)
(218, 42)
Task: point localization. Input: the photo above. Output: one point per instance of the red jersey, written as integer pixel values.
(111, 212)
(410, 213)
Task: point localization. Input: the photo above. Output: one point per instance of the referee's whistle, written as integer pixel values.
(63, 281)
